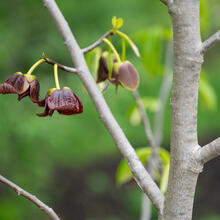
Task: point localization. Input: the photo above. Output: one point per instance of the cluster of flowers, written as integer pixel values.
(112, 67)
(115, 68)
(62, 100)
(123, 73)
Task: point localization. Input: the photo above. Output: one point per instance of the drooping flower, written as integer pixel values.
(103, 70)
(62, 100)
(124, 73)
(23, 85)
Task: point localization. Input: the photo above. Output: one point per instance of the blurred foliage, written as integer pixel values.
(124, 175)
(33, 148)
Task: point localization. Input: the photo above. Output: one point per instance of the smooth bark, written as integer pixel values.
(187, 65)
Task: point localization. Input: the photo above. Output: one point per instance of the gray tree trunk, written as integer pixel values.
(183, 176)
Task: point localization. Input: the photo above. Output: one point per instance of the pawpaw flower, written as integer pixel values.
(124, 73)
(62, 100)
(23, 85)
(103, 70)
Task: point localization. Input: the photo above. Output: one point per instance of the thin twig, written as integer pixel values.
(61, 66)
(105, 87)
(97, 43)
(140, 174)
(49, 211)
(144, 118)
(211, 41)
(163, 96)
(154, 161)
(208, 152)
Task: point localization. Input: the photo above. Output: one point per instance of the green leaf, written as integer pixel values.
(130, 42)
(135, 117)
(151, 43)
(92, 60)
(164, 178)
(207, 93)
(117, 22)
(123, 173)
(150, 103)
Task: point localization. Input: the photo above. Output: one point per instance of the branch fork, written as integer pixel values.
(208, 152)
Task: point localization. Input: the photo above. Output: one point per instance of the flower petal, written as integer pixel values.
(128, 76)
(65, 102)
(21, 96)
(17, 83)
(34, 90)
(45, 113)
(102, 70)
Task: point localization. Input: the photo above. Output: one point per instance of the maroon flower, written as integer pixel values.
(62, 100)
(23, 85)
(102, 70)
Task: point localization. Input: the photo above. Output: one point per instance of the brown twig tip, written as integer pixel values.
(60, 66)
(45, 57)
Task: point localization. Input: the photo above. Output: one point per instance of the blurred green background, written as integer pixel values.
(70, 162)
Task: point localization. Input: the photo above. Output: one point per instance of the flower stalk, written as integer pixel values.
(35, 66)
(113, 49)
(56, 76)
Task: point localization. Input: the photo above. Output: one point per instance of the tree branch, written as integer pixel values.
(145, 119)
(208, 152)
(49, 211)
(153, 162)
(140, 174)
(97, 43)
(105, 86)
(211, 41)
(60, 66)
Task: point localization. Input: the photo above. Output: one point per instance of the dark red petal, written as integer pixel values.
(65, 102)
(21, 96)
(6, 88)
(45, 113)
(50, 112)
(102, 70)
(34, 90)
(42, 102)
(17, 83)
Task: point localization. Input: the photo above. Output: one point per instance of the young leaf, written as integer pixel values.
(151, 44)
(164, 178)
(123, 173)
(130, 42)
(117, 22)
(150, 103)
